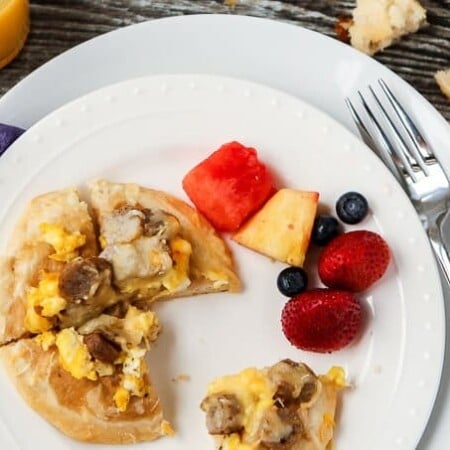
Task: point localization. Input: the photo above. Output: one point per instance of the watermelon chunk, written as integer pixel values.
(229, 186)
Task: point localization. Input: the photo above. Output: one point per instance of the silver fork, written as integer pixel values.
(410, 158)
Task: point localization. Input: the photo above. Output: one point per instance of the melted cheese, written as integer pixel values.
(177, 279)
(43, 302)
(255, 393)
(74, 355)
(64, 243)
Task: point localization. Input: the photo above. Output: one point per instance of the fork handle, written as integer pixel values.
(434, 233)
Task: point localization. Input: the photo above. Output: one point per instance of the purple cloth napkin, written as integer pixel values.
(8, 134)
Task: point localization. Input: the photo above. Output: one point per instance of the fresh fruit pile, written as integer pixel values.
(328, 319)
(237, 193)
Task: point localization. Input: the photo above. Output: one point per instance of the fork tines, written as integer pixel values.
(402, 147)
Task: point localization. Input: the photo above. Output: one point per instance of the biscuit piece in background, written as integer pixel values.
(378, 23)
(442, 78)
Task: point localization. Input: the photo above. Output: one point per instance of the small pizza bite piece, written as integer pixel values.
(282, 407)
(157, 245)
(92, 382)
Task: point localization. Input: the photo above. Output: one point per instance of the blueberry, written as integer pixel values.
(325, 228)
(291, 281)
(352, 207)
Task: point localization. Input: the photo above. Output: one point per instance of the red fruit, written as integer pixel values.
(229, 186)
(354, 260)
(321, 320)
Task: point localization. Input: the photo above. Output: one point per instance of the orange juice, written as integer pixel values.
(14, 27)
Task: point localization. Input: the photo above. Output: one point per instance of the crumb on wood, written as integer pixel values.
(231, 3)
(342, 28)
(442, 78)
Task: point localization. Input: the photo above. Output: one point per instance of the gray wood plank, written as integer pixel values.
(58, 25)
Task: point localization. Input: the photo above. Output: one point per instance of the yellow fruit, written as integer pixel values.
(282, 228)
(14, 27)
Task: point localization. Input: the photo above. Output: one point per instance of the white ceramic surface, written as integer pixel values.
(306, 64)
(152, 131)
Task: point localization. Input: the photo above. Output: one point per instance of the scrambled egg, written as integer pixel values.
(255, 393)
(177, 279)
(64, 243)
(132, 382)
(43, 302)
(335, 375)
(140, 326)
(133, 333)
(46, 340)
(74, 355)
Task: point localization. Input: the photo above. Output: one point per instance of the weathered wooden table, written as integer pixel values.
(58, 25)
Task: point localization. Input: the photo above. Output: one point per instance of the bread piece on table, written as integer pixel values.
(378, 23)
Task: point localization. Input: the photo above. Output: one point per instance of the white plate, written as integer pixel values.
(152, 131)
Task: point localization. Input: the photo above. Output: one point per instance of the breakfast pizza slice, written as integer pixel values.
(282, 407)
(50, 275)
(158, 246)
(92, 382)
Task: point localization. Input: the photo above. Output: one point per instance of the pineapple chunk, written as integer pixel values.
(281, 229)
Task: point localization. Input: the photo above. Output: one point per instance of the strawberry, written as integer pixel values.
(321, 320)
(354, 260)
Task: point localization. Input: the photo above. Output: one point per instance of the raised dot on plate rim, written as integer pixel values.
(192, 85)
(400, 214)
(428, 326)
(420, 268)
(221, 88)
(413, 411)
(399, 440)
(421, 383)
(301, 114)
(247, 93)
(136, 90)
(275, 102)
(412, 240)
(426, 355)
(427, 297)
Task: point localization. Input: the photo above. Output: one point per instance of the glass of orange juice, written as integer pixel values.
(14, 28)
